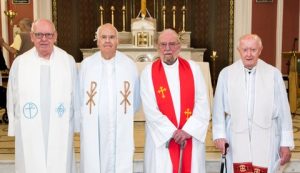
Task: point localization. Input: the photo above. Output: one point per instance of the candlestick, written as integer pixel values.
(183, 18)
(164, 16)
(11, 15)
(174, 16)
(101, 14)
(214, 56)
(112, 8)
(123, 13)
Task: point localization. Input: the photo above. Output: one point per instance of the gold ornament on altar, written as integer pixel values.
(11, 15)
(143, 28)
(143, 8)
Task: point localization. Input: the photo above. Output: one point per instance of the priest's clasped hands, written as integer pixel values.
(180, 136)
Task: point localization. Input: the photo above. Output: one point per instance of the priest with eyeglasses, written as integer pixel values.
(176, 108)
(41, 103)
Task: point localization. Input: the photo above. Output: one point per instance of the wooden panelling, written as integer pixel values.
(208, 21)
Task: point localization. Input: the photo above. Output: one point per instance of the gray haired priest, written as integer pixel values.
(252, 113)
(109, 92)
(41, 101)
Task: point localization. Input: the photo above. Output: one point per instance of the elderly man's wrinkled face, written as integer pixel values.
(107, 41)
(249, 50)
(43, 37)
(168, 47)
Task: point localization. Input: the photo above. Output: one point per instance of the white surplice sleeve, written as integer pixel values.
(283, 112)
(197, 124)
(219, 109)
(160, 127)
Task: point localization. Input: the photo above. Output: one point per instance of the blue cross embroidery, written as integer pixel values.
(60, 110)
(30, 110)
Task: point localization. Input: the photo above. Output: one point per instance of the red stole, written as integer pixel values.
(165, 105)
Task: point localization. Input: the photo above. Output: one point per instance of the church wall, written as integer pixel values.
(290, 29)
(264, 24)
(23, 10)
(208, 21)
(1, 22)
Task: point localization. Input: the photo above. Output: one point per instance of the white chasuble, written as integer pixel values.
(107, 110)
(31, 124)
(251, 144)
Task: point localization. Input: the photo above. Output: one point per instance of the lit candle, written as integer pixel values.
(214, 53)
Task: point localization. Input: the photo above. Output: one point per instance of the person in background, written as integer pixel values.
(176, 108)
(41, 104)
(22, 41)
(252, 113)
(109, 92)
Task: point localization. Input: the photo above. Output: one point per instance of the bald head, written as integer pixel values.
(43, 36)
(105, 27)
(250, 37)
(169, 33)
(168, 46)
(107, 40)
(250, 47)
(41, 22)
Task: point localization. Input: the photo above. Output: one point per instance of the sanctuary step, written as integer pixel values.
(212, 165)
(212, 154)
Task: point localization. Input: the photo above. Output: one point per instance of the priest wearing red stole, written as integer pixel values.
(176, 107)
(252, 113)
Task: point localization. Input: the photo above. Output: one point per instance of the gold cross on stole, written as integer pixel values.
(91, 95)
(162, 91)
(125, 95)
(187, 113)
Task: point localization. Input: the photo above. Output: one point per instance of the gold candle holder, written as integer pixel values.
(112, 8)
(11, 15)
(174, 16)
(164, 16)
(214, 56)
(123, 13)
(101, 14)
(183, 9)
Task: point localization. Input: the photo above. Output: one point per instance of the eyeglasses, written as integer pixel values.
(40, 35)
(172, 45)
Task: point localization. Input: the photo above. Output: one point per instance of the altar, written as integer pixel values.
(141, 46)
(149, 54)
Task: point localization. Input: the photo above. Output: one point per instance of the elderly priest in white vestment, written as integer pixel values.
(176, 107)
(251, 113)
(41, 96)
(109, 92)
